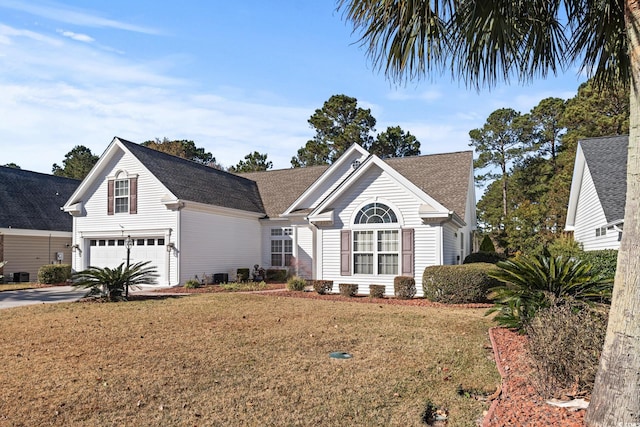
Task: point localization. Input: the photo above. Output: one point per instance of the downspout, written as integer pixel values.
(441, 245)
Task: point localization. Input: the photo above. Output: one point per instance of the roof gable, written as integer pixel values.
(32, 200)
(184, 179)
(606, 159)
(196, 182)
(443, 177)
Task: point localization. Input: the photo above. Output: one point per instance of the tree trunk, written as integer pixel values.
(616, 394)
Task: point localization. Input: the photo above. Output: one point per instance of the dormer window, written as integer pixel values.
(122, 194)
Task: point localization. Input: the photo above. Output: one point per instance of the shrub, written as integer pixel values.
(296, 283)
(348, 289)
(192, 284)
(404, 287)
(111, 282)
(487, 245)
(458, 284)
(565, 344)
(322, 286)
(377, 291)
(484, 257)
(242, 275)
(276, 275)
(541, 281)
(564, 245)
(54, 273)
(603, 262)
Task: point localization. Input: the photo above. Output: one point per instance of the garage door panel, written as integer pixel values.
(112, 252)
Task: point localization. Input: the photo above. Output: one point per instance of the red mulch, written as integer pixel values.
(519, 405)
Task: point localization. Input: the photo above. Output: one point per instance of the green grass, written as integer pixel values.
(239, 359)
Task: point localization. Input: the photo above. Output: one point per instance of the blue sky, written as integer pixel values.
(235, 77)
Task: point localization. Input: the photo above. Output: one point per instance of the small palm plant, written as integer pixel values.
(536, 282)
(112, 282)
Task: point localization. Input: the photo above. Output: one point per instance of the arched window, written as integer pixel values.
(376, 251)
(376, 213)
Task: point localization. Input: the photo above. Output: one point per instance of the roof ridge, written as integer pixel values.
(49, 175)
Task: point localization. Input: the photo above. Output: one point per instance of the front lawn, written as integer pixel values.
(20, 286)
(239, 359)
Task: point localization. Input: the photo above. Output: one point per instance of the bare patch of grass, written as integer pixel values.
(239, 359)
(20, 286)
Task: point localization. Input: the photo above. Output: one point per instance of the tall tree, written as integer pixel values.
(182, 148)
(339, 124)
(482, 42)
(253, 162)
(76, 164)
(394, 142)
(498, 143)
(546, 129)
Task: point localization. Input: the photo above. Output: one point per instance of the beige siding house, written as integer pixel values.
(361, 220)
(33, 229)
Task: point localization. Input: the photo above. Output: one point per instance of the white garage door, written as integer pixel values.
(113, 252)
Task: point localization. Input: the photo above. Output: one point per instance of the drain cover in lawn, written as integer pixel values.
(339, 355)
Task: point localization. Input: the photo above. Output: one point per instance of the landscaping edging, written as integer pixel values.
(494, 404)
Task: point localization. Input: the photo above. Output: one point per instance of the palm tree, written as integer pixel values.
(482, 42)
(113, 282)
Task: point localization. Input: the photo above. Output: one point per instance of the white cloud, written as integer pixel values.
(78, 37)
(62, 13)
(428, 95)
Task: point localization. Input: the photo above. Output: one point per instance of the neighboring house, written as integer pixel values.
(361, 220)
(33, 229)
(598, 191)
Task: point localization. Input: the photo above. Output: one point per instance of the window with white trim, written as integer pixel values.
(281, 246)
(121, 196)
(375, 250)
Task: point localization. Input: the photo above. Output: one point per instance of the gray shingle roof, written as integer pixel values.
(445, 177)
(32, 200)
(280, 188)
(607, 161)
(195, 182)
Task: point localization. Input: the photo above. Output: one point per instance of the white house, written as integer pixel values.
(361, 220)
(33, 230)
(598, 190)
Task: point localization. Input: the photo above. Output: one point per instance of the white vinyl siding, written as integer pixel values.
(450, 246)
(376, 185)
(590, 216)
(152, 219)
(213, 243)
(304, 251)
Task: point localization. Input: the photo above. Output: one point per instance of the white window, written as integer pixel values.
(121, 196)
(281, 246)
(376, 249)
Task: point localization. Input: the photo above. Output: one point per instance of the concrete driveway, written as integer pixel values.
(50, 295)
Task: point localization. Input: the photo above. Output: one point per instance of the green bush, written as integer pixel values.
(276, 275)
(404, 287)
(321, 286)
(348, 289)
(377, 291)
(484, 257)
(242, 275)
(192, 284)
(458, 284)
(602, 262)
(54, 273)
(565, 344)
(296, 283)
(487, 245)
(541, 281)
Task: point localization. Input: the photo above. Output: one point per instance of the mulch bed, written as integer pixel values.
(520, 404)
